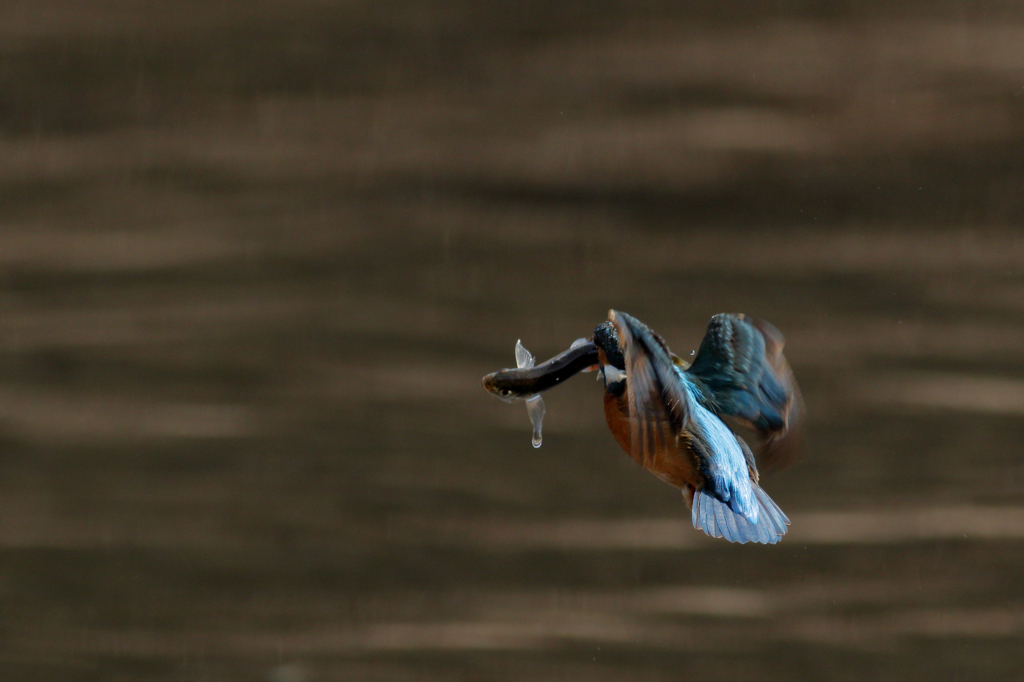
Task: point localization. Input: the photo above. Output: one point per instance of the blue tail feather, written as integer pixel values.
(777, 516)
(718, 520)
(733, 529)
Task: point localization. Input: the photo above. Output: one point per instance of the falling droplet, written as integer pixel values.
(693, 352)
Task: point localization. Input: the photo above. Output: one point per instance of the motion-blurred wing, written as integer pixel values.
(745, 375)
(657, 407)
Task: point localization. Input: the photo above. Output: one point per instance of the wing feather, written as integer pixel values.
(745, 375)
(657, 407)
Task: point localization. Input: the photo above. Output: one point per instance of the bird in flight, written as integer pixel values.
(667, 414)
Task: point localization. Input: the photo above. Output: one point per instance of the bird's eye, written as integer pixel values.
(505, 391)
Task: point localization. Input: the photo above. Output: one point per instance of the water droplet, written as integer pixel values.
(536, 439)
(693, 352)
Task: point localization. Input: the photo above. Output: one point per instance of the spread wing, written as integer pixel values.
(746, 376)
(657, 407)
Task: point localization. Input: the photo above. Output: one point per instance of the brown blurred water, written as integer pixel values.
(255, 257)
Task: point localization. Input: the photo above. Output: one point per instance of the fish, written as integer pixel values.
(528, 380)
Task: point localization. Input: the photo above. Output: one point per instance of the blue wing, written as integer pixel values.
(742, 373)
(726, 471)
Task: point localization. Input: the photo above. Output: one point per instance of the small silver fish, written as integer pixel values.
(528, 380)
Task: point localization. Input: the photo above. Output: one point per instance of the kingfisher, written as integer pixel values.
(668, 415)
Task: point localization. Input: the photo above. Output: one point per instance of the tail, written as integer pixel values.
(715, 518)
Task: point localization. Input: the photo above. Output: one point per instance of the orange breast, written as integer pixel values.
(617, 415)
(676, 465)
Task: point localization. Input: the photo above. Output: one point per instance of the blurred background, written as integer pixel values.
(256, 256)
